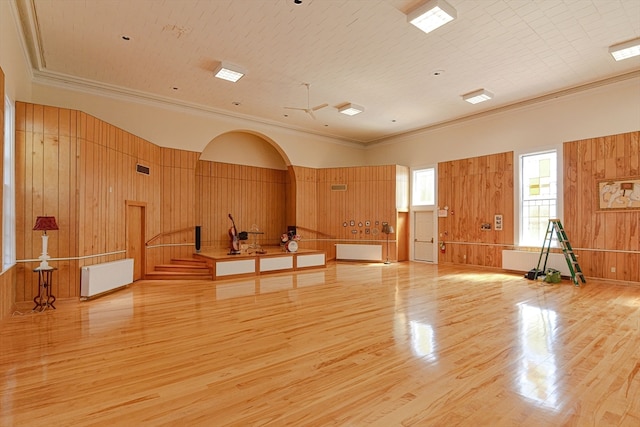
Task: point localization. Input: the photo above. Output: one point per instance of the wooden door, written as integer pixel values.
(135, 238)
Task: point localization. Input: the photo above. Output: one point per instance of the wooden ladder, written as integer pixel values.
(555, 226)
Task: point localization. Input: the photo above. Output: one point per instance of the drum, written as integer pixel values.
(291, 246)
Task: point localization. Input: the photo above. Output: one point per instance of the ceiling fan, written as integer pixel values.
(309, 110)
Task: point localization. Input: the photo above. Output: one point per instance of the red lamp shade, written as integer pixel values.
(45, 223)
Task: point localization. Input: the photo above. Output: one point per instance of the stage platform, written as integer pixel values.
(225, 266)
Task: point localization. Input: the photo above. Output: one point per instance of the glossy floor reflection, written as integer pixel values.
(537, 377)
(350, 345)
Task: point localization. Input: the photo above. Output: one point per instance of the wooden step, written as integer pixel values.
(182, 268)
(176, 275)
(188, 261)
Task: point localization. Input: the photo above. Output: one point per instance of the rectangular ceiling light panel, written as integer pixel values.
(625, 50)
(229, 72)
(351, 109)
(477, 96)
(431, 15)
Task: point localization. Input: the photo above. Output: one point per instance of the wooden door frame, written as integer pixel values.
(143, 205)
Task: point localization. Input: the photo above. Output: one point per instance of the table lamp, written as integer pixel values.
(45, 223)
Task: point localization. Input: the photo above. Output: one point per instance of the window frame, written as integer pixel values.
(9, 187)
(414, 171)
(517, 187)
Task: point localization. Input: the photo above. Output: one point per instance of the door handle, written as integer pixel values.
(432, 240)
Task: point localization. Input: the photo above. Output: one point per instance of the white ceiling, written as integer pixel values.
(359, 51)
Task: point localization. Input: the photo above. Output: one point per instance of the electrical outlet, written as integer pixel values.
(497, 222)
(613, 269)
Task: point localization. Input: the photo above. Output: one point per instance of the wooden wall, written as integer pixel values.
(602, 239)
(83, 171)
(252, 195)
(370, 196)
(46, 184)
(303, 206)
(475, 190)
(273, 199)
(107, 162)
(177, 208)
(7, 292)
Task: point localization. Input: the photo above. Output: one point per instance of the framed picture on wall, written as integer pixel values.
(619, 194)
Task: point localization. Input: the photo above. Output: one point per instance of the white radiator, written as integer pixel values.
(356, 252)
(99, 278)
(524, 261)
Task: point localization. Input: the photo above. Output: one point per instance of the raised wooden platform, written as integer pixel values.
(273, 260)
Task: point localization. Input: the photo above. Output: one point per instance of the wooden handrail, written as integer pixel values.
(168, 233)
(319, 233)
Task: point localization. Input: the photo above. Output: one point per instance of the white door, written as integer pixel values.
(423, 236)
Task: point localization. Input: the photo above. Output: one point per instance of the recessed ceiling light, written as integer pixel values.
(351, 109)
(229, 72)
(477, 96)
(431, 15)
(625, 50)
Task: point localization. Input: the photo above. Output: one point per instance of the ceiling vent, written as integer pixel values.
(142, 169)
(338, 187)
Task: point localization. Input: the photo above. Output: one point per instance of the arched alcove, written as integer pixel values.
(247, 175)
(246, 148)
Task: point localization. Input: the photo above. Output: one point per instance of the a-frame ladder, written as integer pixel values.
(555, 229)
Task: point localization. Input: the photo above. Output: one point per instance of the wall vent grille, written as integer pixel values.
(142, 169)
(338, 187)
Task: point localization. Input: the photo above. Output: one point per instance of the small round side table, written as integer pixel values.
(45, 298)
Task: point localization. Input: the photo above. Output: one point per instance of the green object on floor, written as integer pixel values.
(552, 276)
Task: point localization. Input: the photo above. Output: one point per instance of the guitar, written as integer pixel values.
(234, 244)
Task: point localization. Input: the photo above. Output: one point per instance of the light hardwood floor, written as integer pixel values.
(353, 345)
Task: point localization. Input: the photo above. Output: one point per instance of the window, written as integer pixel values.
(9, 193)
(424, 187)
(538, 195)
